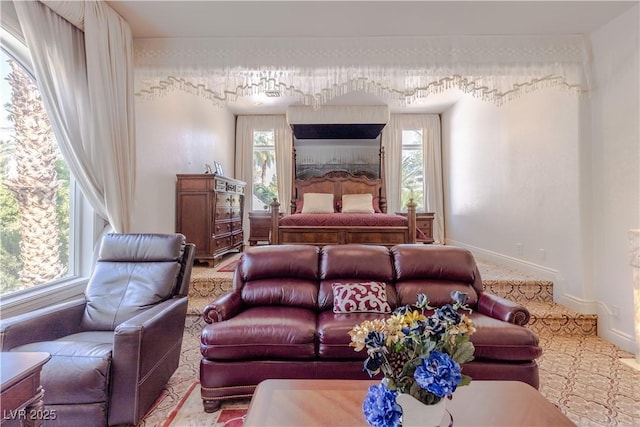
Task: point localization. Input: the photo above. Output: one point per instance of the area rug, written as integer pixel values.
(229, 267)
(189, 412)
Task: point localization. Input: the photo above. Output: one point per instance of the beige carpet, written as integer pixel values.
(581, 373)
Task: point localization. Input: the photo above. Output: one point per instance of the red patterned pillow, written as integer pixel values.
(367, 297)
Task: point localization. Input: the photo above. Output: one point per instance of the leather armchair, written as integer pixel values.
(113, 350)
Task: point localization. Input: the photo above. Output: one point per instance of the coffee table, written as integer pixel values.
(339, 403)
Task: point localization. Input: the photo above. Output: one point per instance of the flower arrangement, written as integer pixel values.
(417, 354)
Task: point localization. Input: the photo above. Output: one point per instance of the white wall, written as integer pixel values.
(615, 165)
(511, 182)
(177, 133)
(551, 182)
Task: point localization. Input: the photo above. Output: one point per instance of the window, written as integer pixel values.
(44, 219)
(412, 180)
(265, 179)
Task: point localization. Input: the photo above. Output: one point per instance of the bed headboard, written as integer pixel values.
(339, 183)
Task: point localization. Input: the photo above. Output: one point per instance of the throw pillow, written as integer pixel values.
(367, 297)
(357, 203)
(317, 203)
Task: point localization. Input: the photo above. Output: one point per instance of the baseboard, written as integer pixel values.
(606, 322)
(539, 271)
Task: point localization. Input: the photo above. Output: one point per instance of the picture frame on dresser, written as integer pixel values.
(219, 170)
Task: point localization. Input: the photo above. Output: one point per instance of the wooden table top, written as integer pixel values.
(299, 403)
(16, 365)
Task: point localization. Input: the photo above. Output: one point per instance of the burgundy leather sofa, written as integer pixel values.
(278, 321)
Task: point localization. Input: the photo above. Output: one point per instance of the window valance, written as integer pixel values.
(494, 68)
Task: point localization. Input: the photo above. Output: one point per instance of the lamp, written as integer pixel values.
(634, 260)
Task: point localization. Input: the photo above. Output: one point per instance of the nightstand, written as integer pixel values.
(259, 227)
(424, 222)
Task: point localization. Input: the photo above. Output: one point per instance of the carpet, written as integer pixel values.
(229, 267)
(189, 412)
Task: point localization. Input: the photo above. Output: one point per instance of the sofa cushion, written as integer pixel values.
(437, 262)
(276, 332)
(333, 334)
(353, 263)
(264, 262)
(364, 297)
(498, 340)
(285, 291)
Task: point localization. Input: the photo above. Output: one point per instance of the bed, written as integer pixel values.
(335, 225)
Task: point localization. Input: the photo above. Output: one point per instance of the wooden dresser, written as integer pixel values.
(209, 212)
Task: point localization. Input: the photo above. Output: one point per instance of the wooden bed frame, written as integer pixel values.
(339, 183)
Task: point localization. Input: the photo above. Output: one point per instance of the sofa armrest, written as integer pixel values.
(223, 308)
(503, 309)
(45, 324)
(146, 351)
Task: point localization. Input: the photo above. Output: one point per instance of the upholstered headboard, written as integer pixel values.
(339, 183)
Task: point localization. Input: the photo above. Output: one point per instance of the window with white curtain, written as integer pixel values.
(265, 176)
(412, 170)
(42, 213)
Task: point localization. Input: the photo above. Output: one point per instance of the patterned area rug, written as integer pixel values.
(189, 412)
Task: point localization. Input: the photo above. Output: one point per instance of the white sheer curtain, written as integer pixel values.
(245, 126)
(432, 164)
(86, 82)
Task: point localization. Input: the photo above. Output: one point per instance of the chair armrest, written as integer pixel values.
(146, 352)
(45, 324)
(223, 308)
(503, 309)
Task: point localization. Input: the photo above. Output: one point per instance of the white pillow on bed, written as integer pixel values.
(357, 203)
(317, 203)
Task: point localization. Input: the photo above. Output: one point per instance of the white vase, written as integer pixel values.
(417, 414)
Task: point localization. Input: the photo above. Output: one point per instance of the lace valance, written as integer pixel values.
(494, 68)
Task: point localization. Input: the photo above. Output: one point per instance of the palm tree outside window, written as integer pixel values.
(265, 178)
(35, 201)
(412, 178)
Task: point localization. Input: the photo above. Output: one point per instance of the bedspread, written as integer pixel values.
(344, 219)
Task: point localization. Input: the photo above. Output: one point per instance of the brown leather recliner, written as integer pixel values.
(114, 350)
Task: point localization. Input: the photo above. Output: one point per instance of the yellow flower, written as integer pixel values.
(359, 332)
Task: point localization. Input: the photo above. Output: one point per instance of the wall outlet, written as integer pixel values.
(519, 249)
(543, 254)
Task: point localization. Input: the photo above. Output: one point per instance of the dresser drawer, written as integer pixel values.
(223, 213)
(221, 228)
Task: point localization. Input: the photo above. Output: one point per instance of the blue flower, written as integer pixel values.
(374, 339)
(373, 363)
(448, 314)
(380, 407)
(460, 298)
(438, 374)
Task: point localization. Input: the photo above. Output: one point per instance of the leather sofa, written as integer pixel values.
(279, 322)
(113, 350)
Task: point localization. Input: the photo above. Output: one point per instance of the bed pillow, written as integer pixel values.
(318, 203)
(299, 205)
(357, 203)
(366, 297)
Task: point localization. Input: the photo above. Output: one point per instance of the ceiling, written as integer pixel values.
(188, 19)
